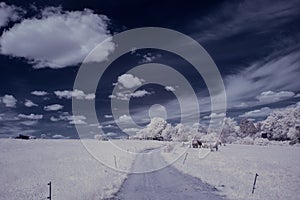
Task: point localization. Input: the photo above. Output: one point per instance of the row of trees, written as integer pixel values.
(280, 125)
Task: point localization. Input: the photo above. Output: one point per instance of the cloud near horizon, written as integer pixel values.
(263, 112)
(31, 116)
(270, 96)
(71, 119)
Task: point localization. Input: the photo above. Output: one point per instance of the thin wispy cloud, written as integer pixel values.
(71, 119)
(263, 112)
(29, 123)
(268, 75)
(234, 18)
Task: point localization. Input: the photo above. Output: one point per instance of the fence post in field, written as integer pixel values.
(185, 158)
(49, 197)
(253, 188)
(115, 158)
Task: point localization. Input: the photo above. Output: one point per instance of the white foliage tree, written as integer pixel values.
(293, 133)
(167, 132)
(230, 130)
(180, 133)
(247, 128)
(282, 124)
(154, 129)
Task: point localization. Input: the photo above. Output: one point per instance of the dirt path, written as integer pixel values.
(167, 183)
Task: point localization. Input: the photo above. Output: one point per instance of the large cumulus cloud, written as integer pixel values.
(57, 38)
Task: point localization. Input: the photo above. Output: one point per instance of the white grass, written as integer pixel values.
(233, 167)
(27, 166)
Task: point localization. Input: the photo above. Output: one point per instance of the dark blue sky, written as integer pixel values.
(255, 45)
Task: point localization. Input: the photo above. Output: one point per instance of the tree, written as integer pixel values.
(167, 132)
(247, 128)
(281, 124)
(180, 133)
(229, 131)
(153, 129)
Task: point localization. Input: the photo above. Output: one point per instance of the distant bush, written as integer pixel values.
(261, 141)
(101, 137)
(168, 148)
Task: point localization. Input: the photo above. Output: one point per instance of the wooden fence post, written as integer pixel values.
(115, 158)
(49, 197)
(185, 158)
(253, 188)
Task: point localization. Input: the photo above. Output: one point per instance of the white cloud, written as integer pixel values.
(95, 125)
(77, 119)
(297, 95)
(241, 105)
(29, 123)
(124, 119)
(53, 107)
(31, 116)
(110, 134)
(257, 113)
(29, 103)
(58, 136)
(54, 119)
(108, 116)
(129, 81)
(270, 96)
(9, 116)
(9, 13)
(58, 38)
(214, 115)
(266, 75)
(90, 96)
(9, 101)
(72, 119)
(149, 57)
(39, 93)
(77, 94)
(170, 88)
(224, 23)
(127, 94)
(131, 130)
(140, 93)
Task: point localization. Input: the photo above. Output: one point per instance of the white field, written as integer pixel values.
(232, 169)
(26, 166)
